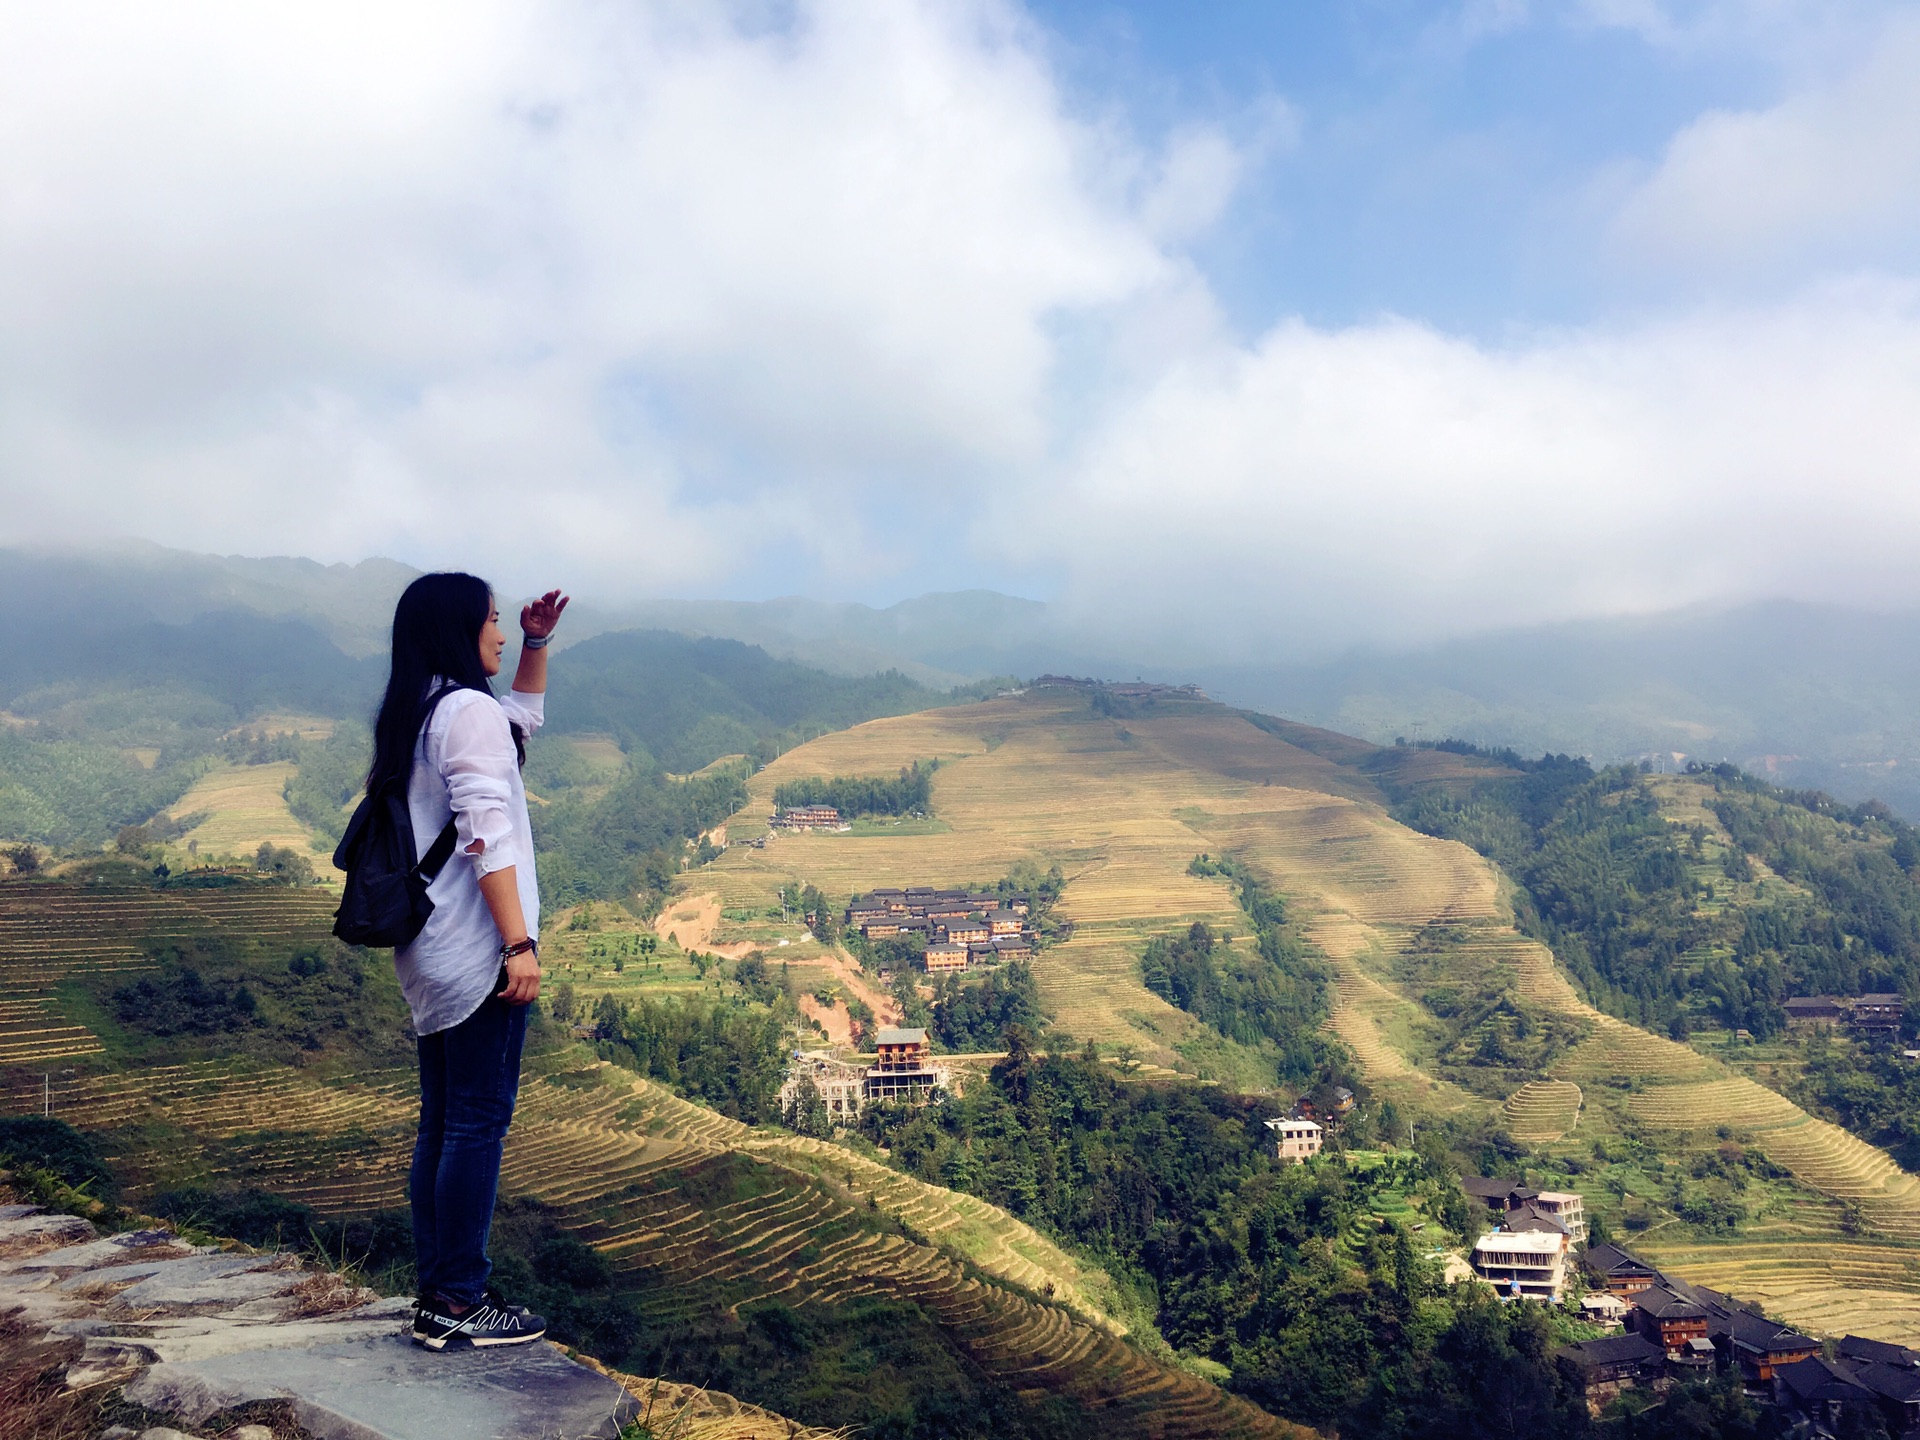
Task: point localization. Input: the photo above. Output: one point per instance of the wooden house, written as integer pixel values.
(1825, 1391)
(1806, 1012)
(1612, 1269)
(1004, 923)
(903, 1068)
(967, 932)
(809, 817)
(1877, 1013)
(1603, 1368)
(1666, 1318)
(944, 957)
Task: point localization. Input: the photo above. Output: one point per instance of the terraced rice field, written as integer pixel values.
(245, 806)
(1823, 1285)
(52, 933)
(1123, 806)
(1542, 1110)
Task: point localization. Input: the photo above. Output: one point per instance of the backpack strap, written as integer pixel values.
(441, 851)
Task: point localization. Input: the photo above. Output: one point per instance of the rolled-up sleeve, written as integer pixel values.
(477, 761)
(525, 708)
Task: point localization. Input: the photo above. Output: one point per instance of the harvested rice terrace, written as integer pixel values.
(621, 1157)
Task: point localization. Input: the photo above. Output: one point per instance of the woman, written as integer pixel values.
(474, 968)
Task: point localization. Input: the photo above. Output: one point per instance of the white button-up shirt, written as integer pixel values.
(465, 768)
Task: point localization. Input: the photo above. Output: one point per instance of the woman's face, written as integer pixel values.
(493, 640)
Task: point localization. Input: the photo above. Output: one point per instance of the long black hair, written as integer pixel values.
(436, 649)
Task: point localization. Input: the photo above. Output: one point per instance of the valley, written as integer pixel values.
(706, 1225)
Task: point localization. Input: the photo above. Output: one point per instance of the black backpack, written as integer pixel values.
(384, 901)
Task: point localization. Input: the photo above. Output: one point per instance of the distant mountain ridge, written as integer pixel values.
(1809, 695)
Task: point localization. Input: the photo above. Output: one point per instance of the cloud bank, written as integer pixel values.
(676, 299)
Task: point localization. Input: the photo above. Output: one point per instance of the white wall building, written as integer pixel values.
(1523, 1265)
(1296, 1140)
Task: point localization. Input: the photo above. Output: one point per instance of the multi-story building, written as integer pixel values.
(943, 957)
(1522, 1266)
(904, 1068)
(1296, 1140)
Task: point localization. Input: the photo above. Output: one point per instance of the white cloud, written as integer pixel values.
(384, 267)
(657, 298)
(1828, 175)
(1327, 486)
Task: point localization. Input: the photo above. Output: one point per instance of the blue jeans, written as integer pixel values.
(469, 1080)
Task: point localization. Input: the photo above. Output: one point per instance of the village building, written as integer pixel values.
(1603, 1368)
(1004, 924)
(969, 931)
(1296, 1140)
(1668, 1319)
(1504, 1197)
(1863, 1351)
(1616, 1272)
(1899, 1391)
(904, 1068)
(1758, 1345)
(1524, 1266)
(1813, 1011)
(1014, 948)
(842, 1086)
(943, 957)
(1880, 1013)
(1877, 1013)
(808, 817)
(1824, 1391)
(1602, 1308)
(1305, 1109)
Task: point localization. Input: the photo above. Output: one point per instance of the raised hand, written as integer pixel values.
(539, 618)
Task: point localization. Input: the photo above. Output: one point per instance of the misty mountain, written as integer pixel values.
(1811, 696)
(1808, 695)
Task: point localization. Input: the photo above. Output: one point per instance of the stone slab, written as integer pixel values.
(391, 1389)
(112, 1274)
(113, 1250)
(214, 1280)
(27, 1235)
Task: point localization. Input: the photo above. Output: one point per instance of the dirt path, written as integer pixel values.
(831, 1018)
(885, 1008)
(690, 921)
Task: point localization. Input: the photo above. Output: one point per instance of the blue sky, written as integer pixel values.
(1280, 325)
(1433, 161)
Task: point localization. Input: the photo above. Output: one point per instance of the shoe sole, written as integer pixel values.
(458, 1340)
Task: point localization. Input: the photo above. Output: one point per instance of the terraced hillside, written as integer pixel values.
(1122, 804)
(699, 1214)
(50, 935)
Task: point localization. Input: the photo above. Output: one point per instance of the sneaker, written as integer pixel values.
(491, 1322)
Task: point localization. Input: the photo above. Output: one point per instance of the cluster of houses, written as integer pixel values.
(903, 1069)
(1674, 1329)
(960, 930)
(1869, 1014)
